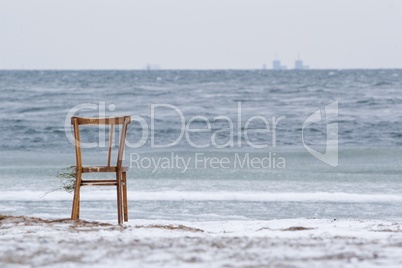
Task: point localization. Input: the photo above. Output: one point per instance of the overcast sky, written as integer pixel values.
(199, 34)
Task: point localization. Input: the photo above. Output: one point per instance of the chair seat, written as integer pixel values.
(102, 169)
(99, 183)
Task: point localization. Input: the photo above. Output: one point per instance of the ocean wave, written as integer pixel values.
(30, 98)
(100, 195)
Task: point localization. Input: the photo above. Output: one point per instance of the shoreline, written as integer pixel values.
(156, 243)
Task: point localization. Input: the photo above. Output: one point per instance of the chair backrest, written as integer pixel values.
(111, 121)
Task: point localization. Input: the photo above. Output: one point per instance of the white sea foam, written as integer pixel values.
(97, 195)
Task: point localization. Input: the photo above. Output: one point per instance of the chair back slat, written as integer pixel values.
(127, 121)
(110, 144)
(78, 156)
(101, 121)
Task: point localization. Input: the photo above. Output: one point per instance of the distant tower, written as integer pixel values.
(151, 67)
(299, 65)
(276, 65)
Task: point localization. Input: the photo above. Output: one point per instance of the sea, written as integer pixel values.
(207, 145)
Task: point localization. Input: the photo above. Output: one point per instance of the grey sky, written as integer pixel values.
(199, 34)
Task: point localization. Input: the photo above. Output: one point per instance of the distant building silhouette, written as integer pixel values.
(276, 65)
(150, 67)
(299, 65)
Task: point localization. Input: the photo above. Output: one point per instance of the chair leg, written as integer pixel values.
(75, 213)
(125, 197)
(119, 198)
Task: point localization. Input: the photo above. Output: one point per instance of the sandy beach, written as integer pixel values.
(35, 242)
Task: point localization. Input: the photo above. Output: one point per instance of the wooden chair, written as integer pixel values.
(120, 182)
